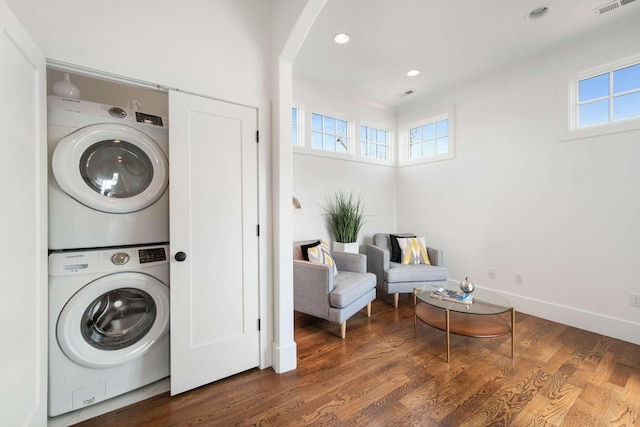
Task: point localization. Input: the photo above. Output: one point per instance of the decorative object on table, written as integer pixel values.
(66, 89)
(453, 296)
(345, 218)
(467, 285)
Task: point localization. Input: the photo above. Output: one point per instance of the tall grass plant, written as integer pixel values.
(345, 216)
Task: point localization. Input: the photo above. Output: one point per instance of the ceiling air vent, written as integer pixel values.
(611, 6)
(409, 92)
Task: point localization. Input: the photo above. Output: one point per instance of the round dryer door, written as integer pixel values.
(114, 319)
(111, 168)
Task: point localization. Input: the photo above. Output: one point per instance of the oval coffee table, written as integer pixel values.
(483, 318)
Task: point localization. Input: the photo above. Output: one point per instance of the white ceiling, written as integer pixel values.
(451, 41)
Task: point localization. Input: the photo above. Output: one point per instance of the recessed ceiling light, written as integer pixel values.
(538, 12)
(341, 38)
(413, 73)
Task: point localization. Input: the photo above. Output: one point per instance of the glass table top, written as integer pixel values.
(484, 302)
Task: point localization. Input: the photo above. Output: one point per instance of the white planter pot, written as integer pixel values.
(346, 247)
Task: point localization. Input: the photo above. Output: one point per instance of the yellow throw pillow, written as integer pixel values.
(320, 254)
(413, 251)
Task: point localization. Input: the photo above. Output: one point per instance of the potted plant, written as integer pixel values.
(345, 217)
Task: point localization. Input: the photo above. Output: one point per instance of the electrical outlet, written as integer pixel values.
(520, 278)
(492, 273)
(635, 300)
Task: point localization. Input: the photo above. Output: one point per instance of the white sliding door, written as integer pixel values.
(214, 216)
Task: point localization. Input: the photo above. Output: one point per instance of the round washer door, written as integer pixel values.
(114, 319)
(111, 168)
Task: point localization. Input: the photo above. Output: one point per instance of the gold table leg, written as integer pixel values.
(447, 318)
(415, 302)
(513, 331)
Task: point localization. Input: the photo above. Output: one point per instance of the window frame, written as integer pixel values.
(568, 126)
(305, 112)
(299, 115)
(336, 116)
(405, 138)
(388, 143)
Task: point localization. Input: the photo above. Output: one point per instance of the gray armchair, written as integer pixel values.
(317, 292)
(396, 278)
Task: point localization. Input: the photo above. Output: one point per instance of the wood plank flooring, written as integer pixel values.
(387, 374)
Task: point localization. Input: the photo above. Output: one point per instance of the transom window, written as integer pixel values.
(329, 133)
(609, 97)
(373, 142)
(429, 139)
(295, 126)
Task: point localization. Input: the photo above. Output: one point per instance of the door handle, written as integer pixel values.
(180, 256)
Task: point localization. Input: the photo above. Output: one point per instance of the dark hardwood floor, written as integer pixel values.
(387, 374)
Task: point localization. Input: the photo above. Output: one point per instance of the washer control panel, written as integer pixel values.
(152, 255)
(120, 258)
(107, 260)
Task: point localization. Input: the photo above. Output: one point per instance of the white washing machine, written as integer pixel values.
(108, 323)
(108, 176)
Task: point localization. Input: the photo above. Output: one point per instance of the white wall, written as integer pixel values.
(564, 214)
(214, 48)
(315, 178)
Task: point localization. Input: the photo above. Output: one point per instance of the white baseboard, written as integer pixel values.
(70, 418)
(285, 357)
(593, 322)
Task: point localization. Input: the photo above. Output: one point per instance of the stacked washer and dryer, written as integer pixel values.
(108, 262)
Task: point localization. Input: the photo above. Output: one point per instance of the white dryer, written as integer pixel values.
(108, 176)
(108, 323)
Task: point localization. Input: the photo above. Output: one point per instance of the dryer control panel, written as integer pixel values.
(149, 119)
